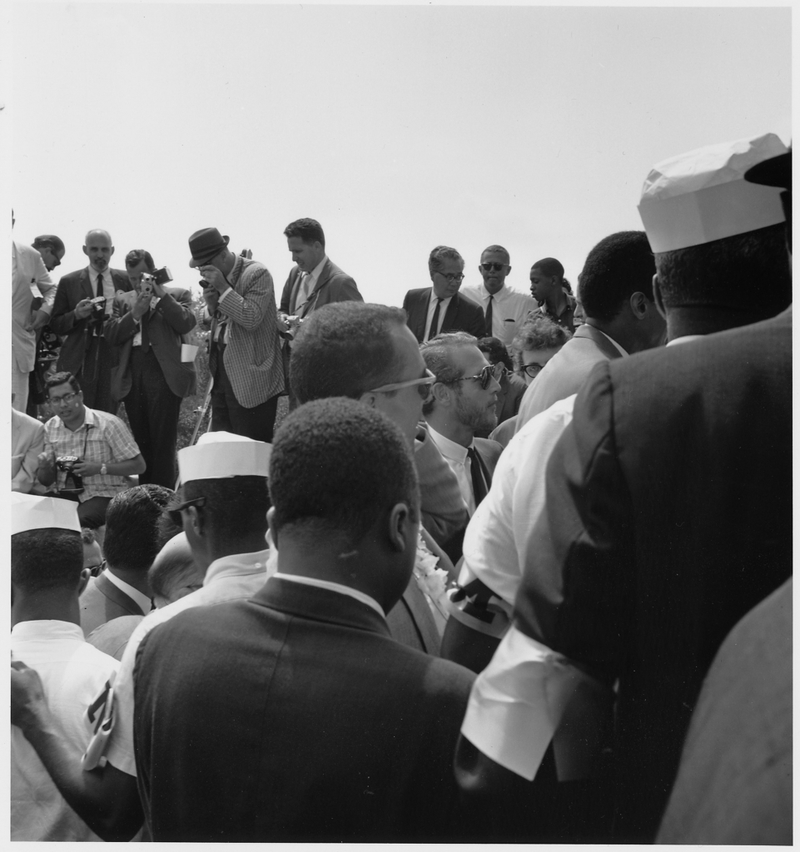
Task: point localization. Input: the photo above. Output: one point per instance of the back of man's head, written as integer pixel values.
(336, 467)
(46, 560)
(342, 350)
(618, 266)
(132, 527)
(234, 507)
(174, 573)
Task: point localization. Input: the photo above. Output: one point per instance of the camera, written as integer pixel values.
(67, 462)
(73, 482)
(98, 305)
(158, 276)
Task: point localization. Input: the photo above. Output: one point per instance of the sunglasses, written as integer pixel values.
(174, 512)
(489, 372)
(493, 267)
(423, 385)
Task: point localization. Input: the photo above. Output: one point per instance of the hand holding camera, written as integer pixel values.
(84, 308)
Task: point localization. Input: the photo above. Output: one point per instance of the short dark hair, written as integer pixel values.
(746, 271)
(46, 559)
(49, 241)
(62, 378)
(620, 265)
(495, 351)
(341, 350)
(436, 353)
(439, 255)
(309, 230)
(131, 540)
(234, 507)
(538, 331)
(135, 256)
(336, 466)
(549, 266)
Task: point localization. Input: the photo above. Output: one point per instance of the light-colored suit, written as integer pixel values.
(333, 285)
(27, 441)
(102, 601)
(565, 373)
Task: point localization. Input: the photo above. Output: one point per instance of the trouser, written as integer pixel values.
(94, 376)
(227, 415)
(153, 411)
(19, 387)
(91, 512)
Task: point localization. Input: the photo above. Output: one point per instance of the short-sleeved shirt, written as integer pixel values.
(102, 438)
(566, 319)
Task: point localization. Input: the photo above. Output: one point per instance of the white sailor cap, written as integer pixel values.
(29, 512)
(702, 196)
(221, 455)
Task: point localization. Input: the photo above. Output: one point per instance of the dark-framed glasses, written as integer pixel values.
(174, 512)
(452, 276)
(531, 370)
(423, 385)
(489, 372)
(493, 267)
(61, 400)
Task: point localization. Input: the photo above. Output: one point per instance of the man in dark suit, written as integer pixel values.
(315, 280)
(668, 511)
(616, 291)
(440, 308)
(346, 734)
(149, 375)
(367, 353)
(463, 401)
(130, 546)
(85, 353)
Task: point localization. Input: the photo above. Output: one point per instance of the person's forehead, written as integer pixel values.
(451, 263)
(469, 359)
(141, 266)
(60, 390)
(296, 243)
(98, 241)
(494, 257)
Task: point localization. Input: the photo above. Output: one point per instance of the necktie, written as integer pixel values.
(480, 476)
(100, 284)
(489, 316)
(96, 320)
(302, 291)
(432, 332)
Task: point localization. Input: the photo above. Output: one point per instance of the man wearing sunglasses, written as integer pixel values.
(504, 308)
(441, 308)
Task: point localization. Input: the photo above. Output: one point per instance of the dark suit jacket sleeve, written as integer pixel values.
(476, 324)
(581, 590)
(122, 325)
(176, 309)
(286, 295)
(62, 319)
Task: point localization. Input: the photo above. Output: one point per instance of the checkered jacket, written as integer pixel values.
(252, 358)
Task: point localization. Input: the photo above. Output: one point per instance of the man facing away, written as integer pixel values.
(46, 579)
(325, 728)
(82, 305)
(149, 375)
(504, 308)
(244, 358)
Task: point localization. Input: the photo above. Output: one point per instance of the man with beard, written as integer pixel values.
(463, 402)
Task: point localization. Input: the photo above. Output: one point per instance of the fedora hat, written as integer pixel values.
(204, 244)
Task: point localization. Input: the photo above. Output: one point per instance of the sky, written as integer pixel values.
(398, 127)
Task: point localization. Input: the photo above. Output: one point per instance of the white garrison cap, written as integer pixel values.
(221, 455)
(702, 196)
(29, 512)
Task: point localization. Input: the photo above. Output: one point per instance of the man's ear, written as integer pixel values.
(86, 575)
(112, 250)
(658, 297)
(399, 526)
(196, 519)
(639, 304)
(84, 251)
(272, 527)
(509, 271)
(442, 393)
(368, 398)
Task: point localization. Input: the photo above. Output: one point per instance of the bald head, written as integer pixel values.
(98, 248)
(174, 572)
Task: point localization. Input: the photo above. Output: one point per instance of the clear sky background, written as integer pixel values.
(397, 127)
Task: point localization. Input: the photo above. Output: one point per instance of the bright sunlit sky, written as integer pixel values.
(397, 127)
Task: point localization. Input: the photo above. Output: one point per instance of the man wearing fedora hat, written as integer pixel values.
(245, 360)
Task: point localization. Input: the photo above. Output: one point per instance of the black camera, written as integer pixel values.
(160, 276)
(98, 306)
(73, 482)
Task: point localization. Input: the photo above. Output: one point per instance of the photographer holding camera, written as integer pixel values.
(88, 454)
(145, 335)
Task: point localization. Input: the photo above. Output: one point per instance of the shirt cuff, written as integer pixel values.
(223, 295)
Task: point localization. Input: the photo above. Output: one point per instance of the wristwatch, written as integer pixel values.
(103, 469)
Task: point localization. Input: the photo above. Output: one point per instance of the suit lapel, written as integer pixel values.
(324, 275)
(600, 340)
(422, 618)
(86, 285)
(117, 596)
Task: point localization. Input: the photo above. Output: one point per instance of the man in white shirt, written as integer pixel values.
(46, 579)
(503, 307)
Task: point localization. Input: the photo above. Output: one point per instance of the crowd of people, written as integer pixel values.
(510, 569)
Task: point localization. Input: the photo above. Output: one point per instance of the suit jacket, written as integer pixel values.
(27, 441)
(345, 734)
(668, 517)
(29, 267)
(566, 371)
(462, 314)
(72, 288)
(172, 317)
(333, 285)
(411, 622)
(101, 601)
(252, 358)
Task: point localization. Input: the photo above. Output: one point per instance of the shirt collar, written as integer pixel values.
(449, 449)
(614, 342)
(333, 587)
(318, 268)
(47, 628)
(142, 601)
(237, 563)
(686, 338)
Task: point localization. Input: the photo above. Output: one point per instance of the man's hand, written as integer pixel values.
(27, 696)
(141, 305)
(39, 320)
(47, 460)
(211, 297)
(212, 276)
(83, 467)
(83, 309)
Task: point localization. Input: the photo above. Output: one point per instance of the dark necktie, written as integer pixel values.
(96, 320)
(480, 476)
(435, 320)
(145, 334)
(489, 316)
(100, 284)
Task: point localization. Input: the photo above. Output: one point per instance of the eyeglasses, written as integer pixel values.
(451, 276)
(493, 267)
(531, 370)
(94, 570)
(423, 385)
(489, 372)
(175, 511)
(61, 400)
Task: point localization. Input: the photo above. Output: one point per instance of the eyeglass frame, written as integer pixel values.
(524, 369)
(486, 374)
(60, 400)
(428, 379)
(175, 512)
(451, 276)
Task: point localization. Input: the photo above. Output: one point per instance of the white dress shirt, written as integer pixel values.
(509, 308)
(333, 587)
(445, 304)
(460, 463)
